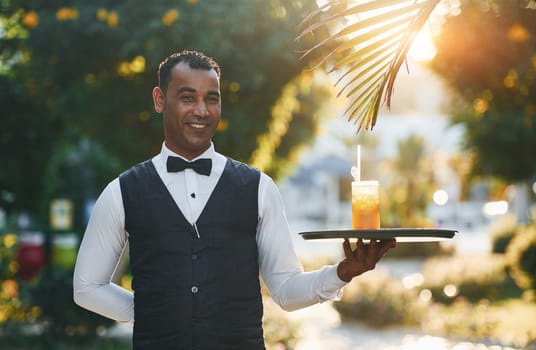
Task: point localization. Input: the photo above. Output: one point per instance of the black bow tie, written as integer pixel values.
(200, 166)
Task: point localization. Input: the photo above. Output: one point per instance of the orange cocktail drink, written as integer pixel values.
(365, 205)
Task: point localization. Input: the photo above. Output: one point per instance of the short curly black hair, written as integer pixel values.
(195, 59)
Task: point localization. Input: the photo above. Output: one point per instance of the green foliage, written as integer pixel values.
(521, 257)
(487, 54)
(26, 142)
(78, 170)
(85, 70)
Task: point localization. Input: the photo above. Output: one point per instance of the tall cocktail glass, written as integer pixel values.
(365, 205)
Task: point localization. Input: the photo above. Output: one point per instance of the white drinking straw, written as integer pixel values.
(358, 163)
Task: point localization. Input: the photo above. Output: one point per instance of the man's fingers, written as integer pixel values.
(360, 248)
(347, 249)
(372, 254)
(385, 246)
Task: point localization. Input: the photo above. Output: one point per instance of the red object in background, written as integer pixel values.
(31, 255)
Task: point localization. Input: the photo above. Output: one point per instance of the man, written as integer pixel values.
(200, 227)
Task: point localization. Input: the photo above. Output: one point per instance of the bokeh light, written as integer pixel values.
(450, 290)
(31, 19)
(441, 197)
(425, 295)
(413, 280)
(495, 208)
(170, 17)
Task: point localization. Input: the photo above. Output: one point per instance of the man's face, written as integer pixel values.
(191, 109)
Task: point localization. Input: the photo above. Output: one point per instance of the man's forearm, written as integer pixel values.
(109, 300)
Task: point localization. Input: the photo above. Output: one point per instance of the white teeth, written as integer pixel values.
(198, 126)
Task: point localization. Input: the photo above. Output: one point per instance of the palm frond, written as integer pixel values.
(369, 49)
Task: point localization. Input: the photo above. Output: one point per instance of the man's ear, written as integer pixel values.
(159, 99)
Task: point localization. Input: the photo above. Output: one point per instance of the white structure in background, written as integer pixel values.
(314, 196)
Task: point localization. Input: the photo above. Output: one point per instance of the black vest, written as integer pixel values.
(191, 292)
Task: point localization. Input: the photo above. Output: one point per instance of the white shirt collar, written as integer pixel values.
(166, 152)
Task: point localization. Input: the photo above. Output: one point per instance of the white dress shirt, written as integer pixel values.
(105, 240)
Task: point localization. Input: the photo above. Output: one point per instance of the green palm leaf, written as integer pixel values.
(369, 49)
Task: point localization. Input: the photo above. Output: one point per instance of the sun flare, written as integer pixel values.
(423, 48)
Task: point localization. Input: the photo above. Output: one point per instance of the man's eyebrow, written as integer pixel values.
(186, 89)
(192, 90)
(214, 93)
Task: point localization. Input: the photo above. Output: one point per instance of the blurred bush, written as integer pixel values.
(511, 323)
(40, 313)
(472, 298)
(461, 319)
(473, 278)
(521, 257)
(502, 231)
(419, 250)
(381, 301)
(15, 310)
(280, 333)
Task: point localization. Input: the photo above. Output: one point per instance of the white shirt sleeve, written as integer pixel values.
(100, 251)
(280, 268)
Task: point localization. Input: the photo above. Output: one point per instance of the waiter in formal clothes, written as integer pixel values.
(200, 228)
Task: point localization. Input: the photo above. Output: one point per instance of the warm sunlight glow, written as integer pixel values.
(423, 48)
(441, 197)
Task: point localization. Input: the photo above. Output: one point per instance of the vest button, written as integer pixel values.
(194, 256)
(195, 289)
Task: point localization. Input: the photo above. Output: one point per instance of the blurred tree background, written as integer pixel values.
(487, 54)
(76, 79)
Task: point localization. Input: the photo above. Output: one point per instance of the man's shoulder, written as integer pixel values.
(241, 166)
(138, 167)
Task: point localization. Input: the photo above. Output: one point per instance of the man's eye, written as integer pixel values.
(187, 98)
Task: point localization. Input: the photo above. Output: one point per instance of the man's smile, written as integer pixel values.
(198, 126)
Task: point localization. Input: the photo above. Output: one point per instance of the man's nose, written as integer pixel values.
(201, 109)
